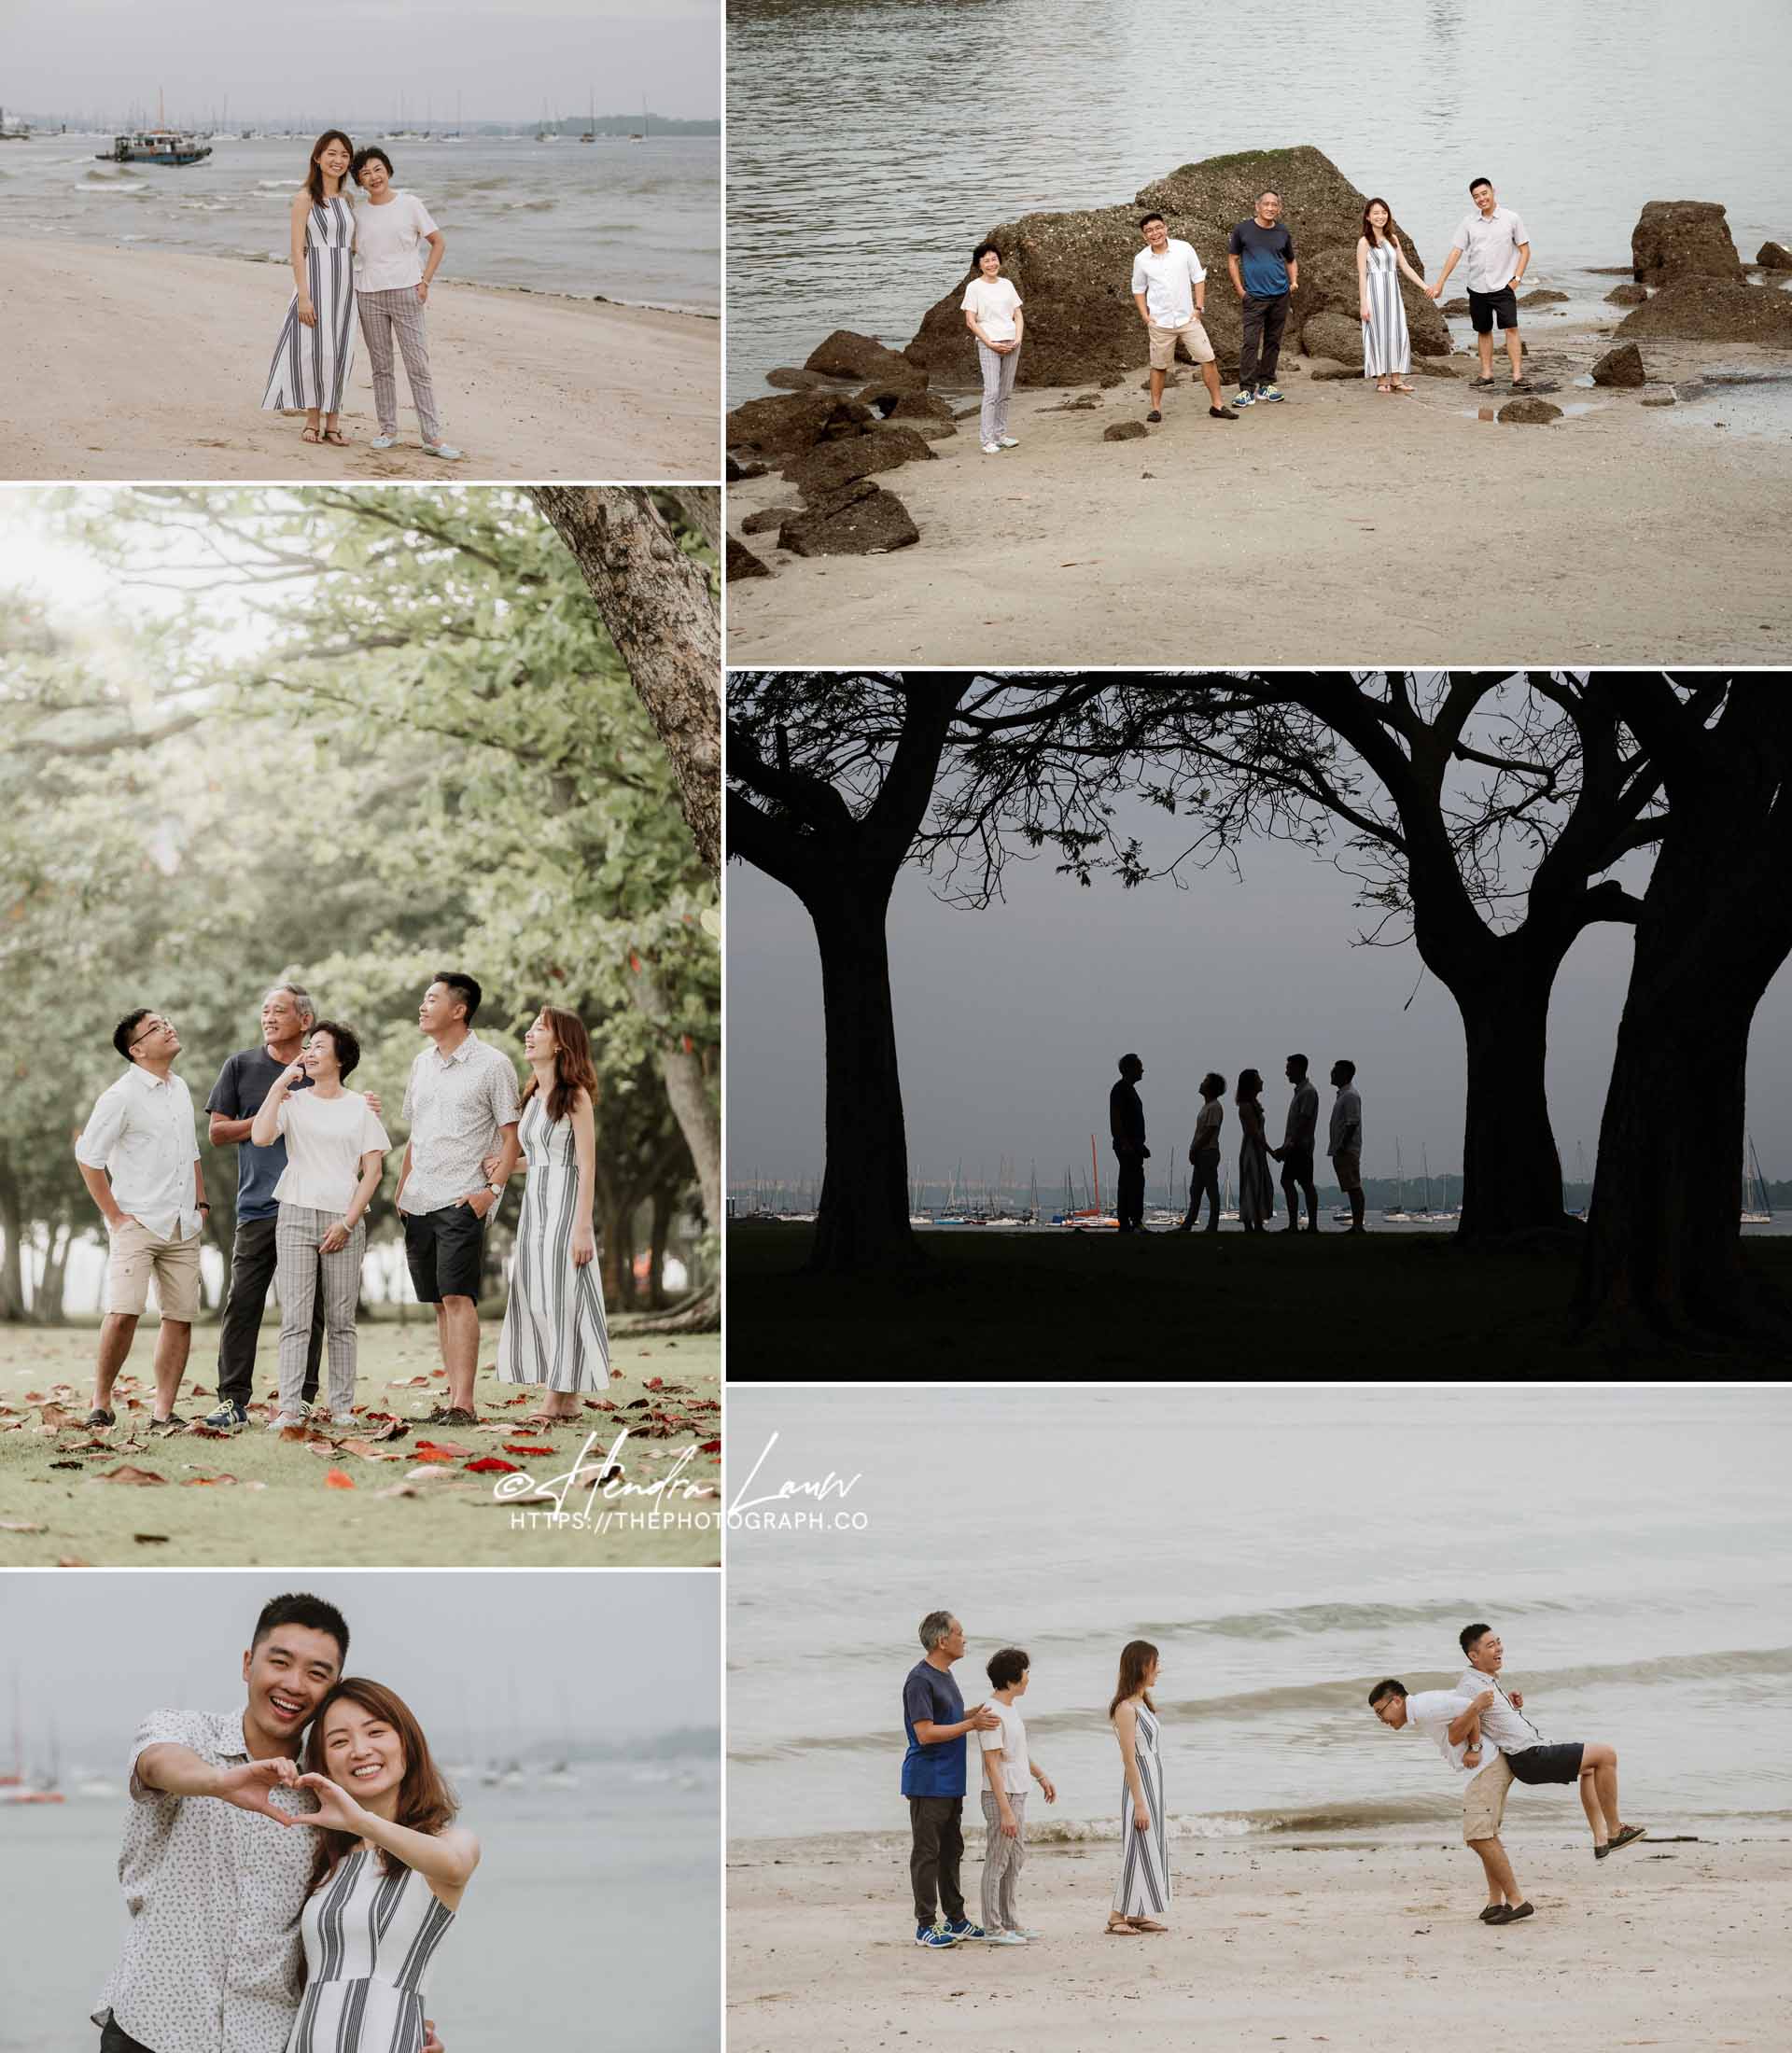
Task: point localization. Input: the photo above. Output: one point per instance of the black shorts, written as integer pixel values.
(1296, 1164)
(445, 1251)
(1544, 1764)
(1483, 306)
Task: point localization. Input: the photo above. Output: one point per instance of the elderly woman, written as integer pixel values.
(992, 312)
(391, 290)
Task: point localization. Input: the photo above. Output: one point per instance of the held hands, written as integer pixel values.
(247, 1787)
(1432, 291)
(307, 312)
(337, 1811)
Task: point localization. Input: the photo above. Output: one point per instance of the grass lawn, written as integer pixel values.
(989, 1306)
(248, 1499)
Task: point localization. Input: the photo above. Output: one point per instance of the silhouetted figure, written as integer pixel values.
(1204, 1155)
(1127, 1123)
(1295, 1155)
(1256, 1192)
(1344, 1143)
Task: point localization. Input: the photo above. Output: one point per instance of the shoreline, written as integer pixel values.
(1359, 1946)
(530, 385)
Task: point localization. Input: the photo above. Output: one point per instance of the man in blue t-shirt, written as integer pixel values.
(936, 1721)
(1260, 255)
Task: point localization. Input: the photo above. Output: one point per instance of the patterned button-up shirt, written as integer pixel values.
(213, 1960)
(455, 1106)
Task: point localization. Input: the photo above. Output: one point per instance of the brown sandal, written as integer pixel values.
(336, 437)
(310, 435)
(1119, 1928)
(1147, 1925)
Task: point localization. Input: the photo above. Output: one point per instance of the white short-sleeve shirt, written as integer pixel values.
(1507, 1727)
(386, 255)
(325, 1138)
(994, 301)
(1489, 246)
(1011, 1737)
(1432, 1712)
(141, 1133)
(1168, 282)
(212, 1959)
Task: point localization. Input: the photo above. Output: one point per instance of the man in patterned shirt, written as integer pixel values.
(462, 1106)
(212, 1959)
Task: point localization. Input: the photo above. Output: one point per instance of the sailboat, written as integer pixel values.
(646, 124)
(1091, 1215)
(1398, 1211)
(591, 120)
(1757, 1207)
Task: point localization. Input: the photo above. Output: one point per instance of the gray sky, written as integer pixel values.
(352, 58)
(1010, 1022)
(594, 1656)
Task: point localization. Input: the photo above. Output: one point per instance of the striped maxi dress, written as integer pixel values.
(1387, 348)
(311, 365)
(1143, 1890)
(553, 1332)
(368, 1939)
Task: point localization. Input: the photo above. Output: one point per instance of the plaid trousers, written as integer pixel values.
(400, 313)
(301, 1263)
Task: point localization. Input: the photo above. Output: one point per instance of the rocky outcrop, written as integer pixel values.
(1628, 294)
(860, 520)
(830, 465)
(844, 355)
(742, 563)
(1530, 412)
(768, 519)
(1073, 271)
(1773, 256)
(738, 473)
(1333, 333)
(789, 379)
(1542, 296)
(1458, 309)
(1682, 239)
(1327, 371)
(1622, 365)
(922, 406)
(779, 429)
(1708, 310)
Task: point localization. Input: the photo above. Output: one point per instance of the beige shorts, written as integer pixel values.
(1164, 341)
(1484, 1800)
(1347, 1166)
(137, 1255)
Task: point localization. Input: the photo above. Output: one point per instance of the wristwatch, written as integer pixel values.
(496, 1189)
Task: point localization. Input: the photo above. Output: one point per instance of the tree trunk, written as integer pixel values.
(12, 1250)
(687, 1091)
(661, 612)
(1511, 1171)
(698, 1314)
(47, 1309)
(664, 1201)
(862, 1219)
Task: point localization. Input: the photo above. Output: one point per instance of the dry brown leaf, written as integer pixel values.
(369, 1452)
(125, 1472)
(150, 1539)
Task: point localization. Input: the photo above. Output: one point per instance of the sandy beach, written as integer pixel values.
(1402, 530)
(1359, 1948)
(129, 363)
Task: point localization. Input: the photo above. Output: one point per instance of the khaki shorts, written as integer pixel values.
(1347, 1166)
(137, 1254)
(1164, 341)
(1484, 1800)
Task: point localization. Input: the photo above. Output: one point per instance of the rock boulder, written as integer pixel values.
(860, 520)
(1334, 334)
(781, 427)
(1622, 365)
(1682, 239)
(844, 355)
(1124, 431)
(1530, 412)
(1542, 296)
(1773, 256)
(1074, 271)
(823, 470)
(1629, 295)
(742, 563)
(1711, 310)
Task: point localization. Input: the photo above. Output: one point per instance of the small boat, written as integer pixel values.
(18, 134)
(1757, 1207)
(155, 146)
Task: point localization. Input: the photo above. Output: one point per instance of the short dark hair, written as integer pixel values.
(1269, 192)
(463, 986)
(1383, 1691)
(1474, 182)
(343, 1038)
(1006, 1667)
(983, 250)
(1469, 1634)
(128, 1025)
(1125, 1063)
(1299, 1062)
(1146, 219)
(298, 1609)
(1348, 1067)
(1218, 1083)
(362, 156)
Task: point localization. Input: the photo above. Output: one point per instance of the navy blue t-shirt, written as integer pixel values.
(936, 1770)
(1264, 255)
(243, 1083)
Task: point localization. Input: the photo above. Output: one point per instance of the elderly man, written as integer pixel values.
(139, 1160)
(1260, 255)
(935, 1720)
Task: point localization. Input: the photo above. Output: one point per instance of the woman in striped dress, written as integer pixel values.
(315, 352)
(553, 1332)
(1141, 1893)
(1380, 262)
(391, 1869)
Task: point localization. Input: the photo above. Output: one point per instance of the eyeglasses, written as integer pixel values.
(155, 1027)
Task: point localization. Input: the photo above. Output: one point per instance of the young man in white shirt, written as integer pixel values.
(1498, 251)
(1450, 1719)
(1170, 289)
(1007, 1768)
(1532, 1758)
(139, 1158)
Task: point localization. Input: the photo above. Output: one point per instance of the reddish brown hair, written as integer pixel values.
(1136, 1657)
(573, 1068)
(1387, 233)
(313, 176)
(426, 1802)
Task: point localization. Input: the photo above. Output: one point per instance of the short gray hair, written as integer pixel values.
(934, 1628)
(300, 1001)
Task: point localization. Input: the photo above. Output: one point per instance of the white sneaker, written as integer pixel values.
(1021, 1932)
(1005, 1938)
(446, 451)
(1009, 441)
(281, 1421)
(383, 442)
(992, 449)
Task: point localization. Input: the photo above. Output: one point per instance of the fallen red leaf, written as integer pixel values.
(125, 1472)
(655, 1382)
(441, 1446)
(711, 1447)
(516, 1446)
(335, 1480)
(489, 1464)
(435, 1453)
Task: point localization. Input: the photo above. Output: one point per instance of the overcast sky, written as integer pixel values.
(1010, 1022)
(550, 1656)
(352, 58)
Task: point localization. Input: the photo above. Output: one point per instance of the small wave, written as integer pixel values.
(526, 206)
(278, 185)
(205, 206)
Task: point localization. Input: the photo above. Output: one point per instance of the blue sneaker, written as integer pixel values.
(960, 1929)
(1245, 397)
(932, 1935)
(1270, 393)
(227, 1416)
